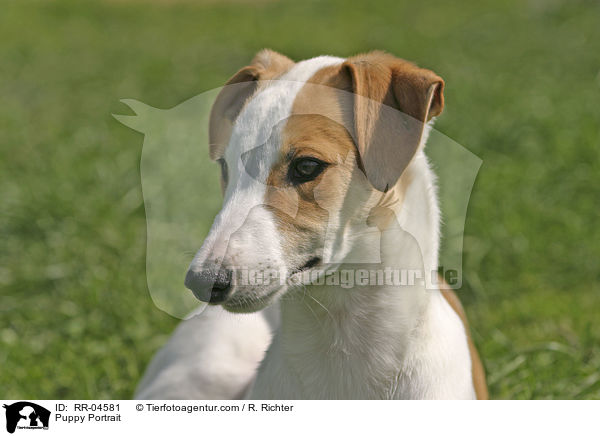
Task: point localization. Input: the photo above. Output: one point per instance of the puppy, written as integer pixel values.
(323, 173)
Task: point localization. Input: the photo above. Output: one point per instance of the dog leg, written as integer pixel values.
(212, 355)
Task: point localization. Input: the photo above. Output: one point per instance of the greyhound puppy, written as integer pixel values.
(323, 175)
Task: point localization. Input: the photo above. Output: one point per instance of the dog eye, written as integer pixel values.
(305, 169)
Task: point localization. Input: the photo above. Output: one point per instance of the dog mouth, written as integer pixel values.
(298, 276)
(248, 303)
(311, 263)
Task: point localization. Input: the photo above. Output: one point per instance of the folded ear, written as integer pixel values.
(393, 101)
(266, 65)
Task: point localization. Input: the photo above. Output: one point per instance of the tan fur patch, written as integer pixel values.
(320, 126)
(393, 100)
(318, 137)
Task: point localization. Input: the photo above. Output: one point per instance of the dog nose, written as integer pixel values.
(209, 286)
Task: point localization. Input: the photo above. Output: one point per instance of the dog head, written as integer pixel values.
(308, 152)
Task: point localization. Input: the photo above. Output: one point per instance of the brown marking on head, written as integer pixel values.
(393, 100)
(364, 115)
(309, 136)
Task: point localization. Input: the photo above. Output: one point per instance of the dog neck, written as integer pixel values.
(331, 335)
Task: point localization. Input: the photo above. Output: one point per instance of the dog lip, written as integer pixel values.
(247, 307)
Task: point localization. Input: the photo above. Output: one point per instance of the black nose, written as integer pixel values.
(209, 286)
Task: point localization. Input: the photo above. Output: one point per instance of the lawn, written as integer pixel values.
(523, 85)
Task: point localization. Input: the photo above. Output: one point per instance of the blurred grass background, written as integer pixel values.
(523, 79)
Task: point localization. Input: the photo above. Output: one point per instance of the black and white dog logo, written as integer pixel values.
(26, 415)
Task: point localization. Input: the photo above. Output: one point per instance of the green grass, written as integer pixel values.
(76, 318)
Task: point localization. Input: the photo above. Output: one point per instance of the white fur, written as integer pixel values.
(331, 343)
(375, 343)
(238, 232)
(208, 357)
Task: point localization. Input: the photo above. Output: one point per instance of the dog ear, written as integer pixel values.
(393, 100)
(266, 65)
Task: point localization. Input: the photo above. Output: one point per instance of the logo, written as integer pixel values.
(172, 168)
(26, 415)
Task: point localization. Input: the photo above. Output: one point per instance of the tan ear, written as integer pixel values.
(393, 101)
(266, 65)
